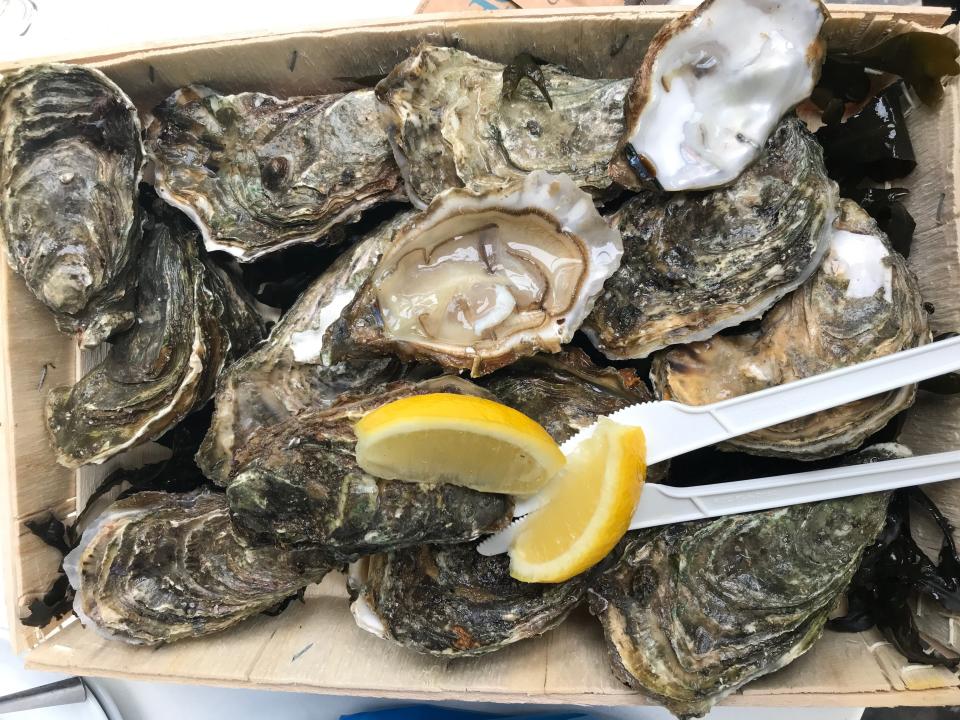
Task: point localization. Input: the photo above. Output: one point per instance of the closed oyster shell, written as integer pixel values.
(862, 303)
(292, 371)
(692, 612)
(297, 483)
(159, 567)
(258, 173)
(696, 263)
(481, 279)
(451, 124)
(70, 163)
(451, 601)
(192, 322)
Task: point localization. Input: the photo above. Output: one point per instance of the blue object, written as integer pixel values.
(434, 712)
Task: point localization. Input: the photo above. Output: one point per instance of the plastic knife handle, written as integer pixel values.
(663, 505)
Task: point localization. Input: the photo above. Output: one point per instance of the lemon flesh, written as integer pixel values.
(457, 439)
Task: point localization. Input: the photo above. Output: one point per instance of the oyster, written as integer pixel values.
(158, 567)
(481, 279)
(297, 483)
(453, 123)
(696, 263)
(257, 173)
(863, 303)
(451, 601)
(192, 322)
(70, 162)
(712, 86)
(292, 371)
(692, 612)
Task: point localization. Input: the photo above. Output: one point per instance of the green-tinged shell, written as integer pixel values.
(70, 162)
(695, 263)
(691, 612)
(258, 173)
(292, 371)
(298, 483)
(159, 567)
(451, 601)
(192, 322)
(452, 124)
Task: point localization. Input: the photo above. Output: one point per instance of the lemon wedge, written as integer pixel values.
(591, 503)
(457, 439)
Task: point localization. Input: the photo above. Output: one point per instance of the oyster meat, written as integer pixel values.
(258, 173)
(692, 612)
(297, 483)
(451, 601)
(695, 263)
(292, 371)
(861, 304)
(192, 321)
(481, 279)
(70, 162)
(712, 86)
(454, 122)
(158, 567)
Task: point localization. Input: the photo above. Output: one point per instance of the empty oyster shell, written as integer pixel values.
(451, 601)
(192, 322)
(158, 567)
(297, 483)
(451, 124)
(258, 173)
(481, 279)
(692, 612)
(70, 162)
(292, 371)
(699, 262)
(712, 87)
(863, 303)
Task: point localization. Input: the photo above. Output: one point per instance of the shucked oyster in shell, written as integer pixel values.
(159, 567)
(453, 122)
(259, 173)
(692, 612)
(292, 371)
(861, 304)
(481, 279)
(695, 263)
(192, 322)
(70, 162)
(297, 483)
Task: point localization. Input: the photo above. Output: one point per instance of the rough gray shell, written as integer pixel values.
(258, 173)
(818, 327)
(192, 322)
(451, 601)
(692, 612)
(297, 483)
(451, 125)
(695, 263)
(158, 567)
(70, 162)
(292, 370)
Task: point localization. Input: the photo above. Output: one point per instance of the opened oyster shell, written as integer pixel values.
(861, 304)
(259, 173)
(297, 483)
(481, 279)
(292, 371)
(453, 122)
(711, 88)
(692, 612)
(159, 567)
(695, 263)
(70, 162)
(192, 322)
(451, 601)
